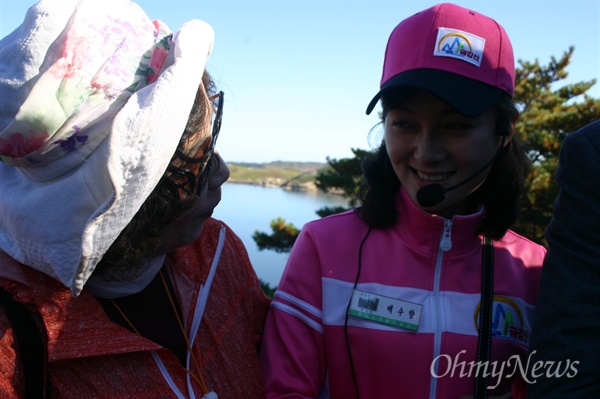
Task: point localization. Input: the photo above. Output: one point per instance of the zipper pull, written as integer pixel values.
(446, 241)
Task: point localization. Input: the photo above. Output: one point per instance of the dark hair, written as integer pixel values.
(501, 193)
(141, 237)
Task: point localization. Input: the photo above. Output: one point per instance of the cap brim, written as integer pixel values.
(467, 96)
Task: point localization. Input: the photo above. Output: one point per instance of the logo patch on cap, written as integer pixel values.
(458, 44)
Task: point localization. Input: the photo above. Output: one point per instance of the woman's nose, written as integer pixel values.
(220, 174)
(429, 148)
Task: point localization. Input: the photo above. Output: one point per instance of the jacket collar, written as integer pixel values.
(77, 326)
(424, 230)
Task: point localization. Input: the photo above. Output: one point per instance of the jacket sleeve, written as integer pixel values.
(11, 371)
(256, 302)
(567, 321)
(292, 352)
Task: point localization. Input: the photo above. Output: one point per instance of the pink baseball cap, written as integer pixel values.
(463, 57)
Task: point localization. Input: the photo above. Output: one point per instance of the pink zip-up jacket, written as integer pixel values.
(311, 346)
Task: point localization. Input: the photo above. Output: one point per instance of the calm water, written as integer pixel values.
(246, 208)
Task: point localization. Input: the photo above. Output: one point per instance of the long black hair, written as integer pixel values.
(501, 193)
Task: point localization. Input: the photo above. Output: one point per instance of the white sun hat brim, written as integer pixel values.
(62, 225)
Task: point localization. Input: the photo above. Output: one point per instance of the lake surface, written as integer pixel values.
(246, 208)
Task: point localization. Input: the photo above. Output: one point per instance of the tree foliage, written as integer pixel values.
(344, 175)
(281, 240)
(548, 113)
(267, 288)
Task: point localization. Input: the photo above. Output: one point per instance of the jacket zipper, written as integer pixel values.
(444, 246)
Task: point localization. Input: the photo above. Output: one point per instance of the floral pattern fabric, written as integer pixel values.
(74, 99)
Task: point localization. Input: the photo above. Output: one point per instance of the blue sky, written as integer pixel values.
(298, 75)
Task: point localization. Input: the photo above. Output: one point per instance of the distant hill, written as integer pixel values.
(296, 176)
(297, 166)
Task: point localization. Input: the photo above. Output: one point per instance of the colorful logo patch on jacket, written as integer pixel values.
(508, 320)
(460, 45)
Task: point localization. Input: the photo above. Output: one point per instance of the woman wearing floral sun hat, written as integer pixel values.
(114, 279)
(423, 291)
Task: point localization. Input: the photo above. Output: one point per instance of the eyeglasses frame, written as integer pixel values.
(190, 178)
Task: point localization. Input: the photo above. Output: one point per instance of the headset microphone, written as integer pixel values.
(433, 194)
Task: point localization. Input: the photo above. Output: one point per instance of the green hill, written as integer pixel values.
(291, 175)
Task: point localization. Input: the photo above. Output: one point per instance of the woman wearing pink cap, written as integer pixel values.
(115, 282)
(423, 291)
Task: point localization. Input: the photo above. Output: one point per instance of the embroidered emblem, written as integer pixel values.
(460, 45)
(508, 320)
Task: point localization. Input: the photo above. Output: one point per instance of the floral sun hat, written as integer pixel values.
(94, 98)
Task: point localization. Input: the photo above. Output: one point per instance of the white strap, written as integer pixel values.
(205, 288)
(167, 376)
(198, 313)
(202, 299)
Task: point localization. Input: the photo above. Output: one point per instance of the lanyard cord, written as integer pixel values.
(348, 312)
(485, 315)
(198, 378)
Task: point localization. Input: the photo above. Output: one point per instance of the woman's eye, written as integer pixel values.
(458, 126)
(402, 124)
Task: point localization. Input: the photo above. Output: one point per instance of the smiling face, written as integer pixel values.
(429, 142)
(187, 228)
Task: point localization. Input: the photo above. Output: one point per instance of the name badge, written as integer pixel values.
(386, 310)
